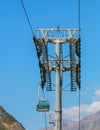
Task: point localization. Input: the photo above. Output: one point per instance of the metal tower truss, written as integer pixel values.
(47, 64)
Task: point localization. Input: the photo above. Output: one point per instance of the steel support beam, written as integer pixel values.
(58, 98)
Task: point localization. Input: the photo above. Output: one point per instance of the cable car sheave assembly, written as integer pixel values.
(75, 63)
(42, 54)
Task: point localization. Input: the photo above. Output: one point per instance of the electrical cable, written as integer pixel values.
(27, 17)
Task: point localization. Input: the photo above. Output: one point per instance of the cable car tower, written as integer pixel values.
(72, 63)
(59, 37)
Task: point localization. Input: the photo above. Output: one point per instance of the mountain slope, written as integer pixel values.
(8, 122)
(91, 122)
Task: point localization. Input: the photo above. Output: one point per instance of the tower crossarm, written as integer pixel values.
(53, 33)
(66, 64)
(61, 40)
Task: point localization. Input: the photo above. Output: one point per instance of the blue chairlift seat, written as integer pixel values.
(43, 105)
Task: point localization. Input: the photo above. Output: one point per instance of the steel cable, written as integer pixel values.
(45, 119)
(79, 24)
(27, 17)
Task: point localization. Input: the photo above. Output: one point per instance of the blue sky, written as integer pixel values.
(19, 72)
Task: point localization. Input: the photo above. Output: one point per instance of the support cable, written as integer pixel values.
(27, 17)
(79, 111)
(45, 119)
(79, 22)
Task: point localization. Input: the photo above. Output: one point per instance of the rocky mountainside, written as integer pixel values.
(8, 122)
(91, 122)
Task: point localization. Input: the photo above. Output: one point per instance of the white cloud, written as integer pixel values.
(96, 95)
(90, 109)
(73, 112)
